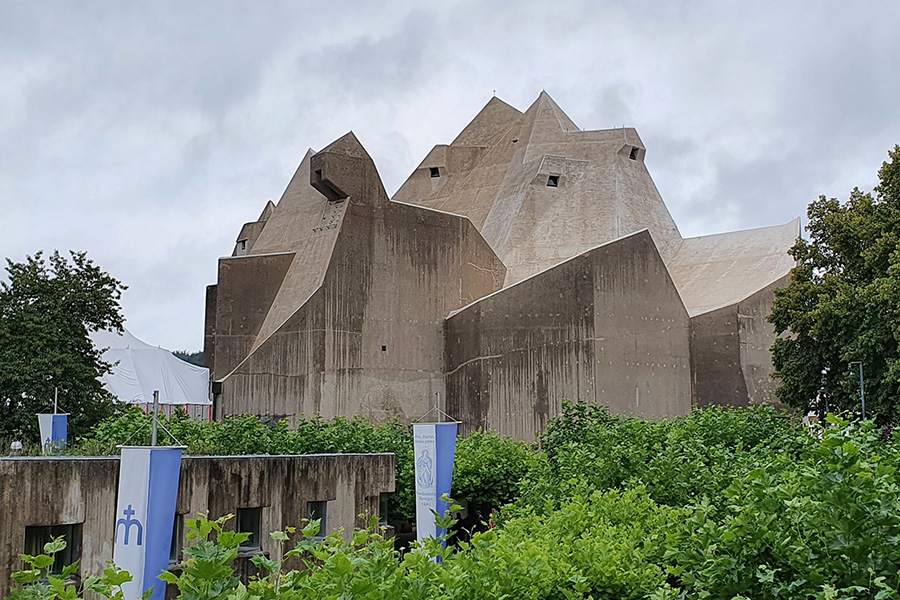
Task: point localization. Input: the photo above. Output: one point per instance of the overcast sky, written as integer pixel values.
(148, 133)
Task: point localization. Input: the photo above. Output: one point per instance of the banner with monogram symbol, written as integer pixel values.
(145, 515)
(434, 448)
(54, 430)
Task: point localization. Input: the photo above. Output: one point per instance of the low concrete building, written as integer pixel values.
(524, 263)
(76, 497)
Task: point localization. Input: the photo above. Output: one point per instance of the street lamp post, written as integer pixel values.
(822, 393)
(862, 387)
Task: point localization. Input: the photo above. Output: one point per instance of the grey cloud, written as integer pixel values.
(148, 133)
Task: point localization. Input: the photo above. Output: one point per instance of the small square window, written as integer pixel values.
(36, 537)
(318, 511)
(384, 348)
(435, 171)
(249, 520)
(177, 535)
(634, 153)
(553, 181)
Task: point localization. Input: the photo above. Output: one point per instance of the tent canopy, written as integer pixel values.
(139, 369)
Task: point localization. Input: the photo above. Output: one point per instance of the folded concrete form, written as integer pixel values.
(524, 263)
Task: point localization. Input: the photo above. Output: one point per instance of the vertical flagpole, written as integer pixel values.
(155, 415)
(55, 394)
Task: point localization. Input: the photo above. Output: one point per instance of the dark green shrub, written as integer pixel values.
(678, 461)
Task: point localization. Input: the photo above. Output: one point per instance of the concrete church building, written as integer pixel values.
(522, 264)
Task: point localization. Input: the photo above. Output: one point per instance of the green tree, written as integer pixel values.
(195, 358)
(842, 304)
(48, 307)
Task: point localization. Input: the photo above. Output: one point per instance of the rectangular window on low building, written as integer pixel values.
(435, 171)
(553, 181)
(37, 536)
(318, 511)
(177, 535)
(383, 509)
(249, 520)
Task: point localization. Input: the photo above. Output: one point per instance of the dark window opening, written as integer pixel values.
(384, 348)
(515, 140)
(553, 181)
(318, 174)
(435, 171)
(634, 151)
(177, 534)
(318, 511)
(249, 520)
(383, 509)
(36, 537)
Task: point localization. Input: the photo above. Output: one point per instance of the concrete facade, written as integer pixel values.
(82, 492)
(497, 277)
(607, 327)
(343, 314)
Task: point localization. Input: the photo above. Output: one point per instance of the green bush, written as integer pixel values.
(245, 434)
(817, 520)
(487, 470)
(679, 461)
(825, 526)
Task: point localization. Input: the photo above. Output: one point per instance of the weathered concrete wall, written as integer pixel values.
(731, 362)
(58, 491)
(44, 491)
(607, 327)
(209, 328)
(246, 289)
(369, 341)
(757, 338)
(716, 359)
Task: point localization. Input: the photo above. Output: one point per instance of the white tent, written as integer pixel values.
(139, 369)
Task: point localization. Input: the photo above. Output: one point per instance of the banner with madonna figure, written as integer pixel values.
(434, 447)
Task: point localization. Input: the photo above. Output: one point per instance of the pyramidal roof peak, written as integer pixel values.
(491, 122)
(544, 106)
(347, 144)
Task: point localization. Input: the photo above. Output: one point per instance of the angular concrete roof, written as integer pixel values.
(497, 172)
(713, 271)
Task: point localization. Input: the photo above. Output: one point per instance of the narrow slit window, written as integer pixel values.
(176, 545)
(435, 171)
(634, 153)
(553, 181)
(383, 509)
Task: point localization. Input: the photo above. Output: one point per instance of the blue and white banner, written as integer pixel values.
(434, 448)
(145, 516)
(54, 431)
